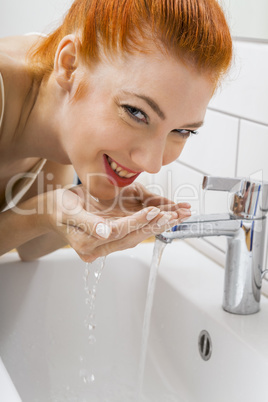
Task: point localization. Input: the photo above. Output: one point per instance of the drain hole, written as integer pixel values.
(204, 345)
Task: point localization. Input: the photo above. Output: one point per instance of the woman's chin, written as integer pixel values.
(102, 187)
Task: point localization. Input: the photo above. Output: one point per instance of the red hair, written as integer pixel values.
(194, 30)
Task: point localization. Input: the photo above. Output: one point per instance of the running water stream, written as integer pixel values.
(92, 275)
(157, 254)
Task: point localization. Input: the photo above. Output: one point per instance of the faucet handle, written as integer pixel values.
(220, 183)
(249, 197)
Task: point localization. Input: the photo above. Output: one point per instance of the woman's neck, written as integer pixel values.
(32, 116)
(39, 133)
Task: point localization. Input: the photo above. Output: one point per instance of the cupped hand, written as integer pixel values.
(131, 199)
(96, 228)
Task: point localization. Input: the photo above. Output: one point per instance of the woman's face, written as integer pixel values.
(134, 114)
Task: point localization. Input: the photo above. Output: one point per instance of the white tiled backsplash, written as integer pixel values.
(232, 142)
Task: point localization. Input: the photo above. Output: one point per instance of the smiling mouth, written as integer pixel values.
(118, 175)
(119, 170)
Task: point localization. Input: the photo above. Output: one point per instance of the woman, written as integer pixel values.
(114, 91)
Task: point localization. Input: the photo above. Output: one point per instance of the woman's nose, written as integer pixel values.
(149, 156)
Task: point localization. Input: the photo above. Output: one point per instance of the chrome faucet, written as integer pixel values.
(245, 229)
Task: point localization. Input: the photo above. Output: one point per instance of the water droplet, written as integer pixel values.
(91, 339)
(91, 378)
(83, 373)
(92, 317)
(91, 326)
(86, 377)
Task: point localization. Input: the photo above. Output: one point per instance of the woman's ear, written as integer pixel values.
(66, 61)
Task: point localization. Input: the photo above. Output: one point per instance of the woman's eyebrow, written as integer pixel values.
(193, 125)
(154, 106)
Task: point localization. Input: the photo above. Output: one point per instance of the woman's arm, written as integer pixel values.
(18, 228)
(89, 232)
(30, 233)
(53, 176)
(40, 246)
(63, 216)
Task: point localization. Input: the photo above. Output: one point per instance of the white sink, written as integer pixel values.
(8, 392)
(44, 343)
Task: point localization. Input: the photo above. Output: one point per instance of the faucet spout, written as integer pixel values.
(202, 226)
(245, 228)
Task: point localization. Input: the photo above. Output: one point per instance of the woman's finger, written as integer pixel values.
(89, 223)
(129, 231)
(150, 199)
(175, 207)
(97, 227)
(131, 239)
(83, 239)
(122, 226)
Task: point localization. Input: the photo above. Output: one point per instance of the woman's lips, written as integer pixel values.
(114, 178)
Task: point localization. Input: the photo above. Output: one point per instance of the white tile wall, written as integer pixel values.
(182, 184)
(253, 150)
(20, 17)
(214, 149)
(245, 92)
(233, 141)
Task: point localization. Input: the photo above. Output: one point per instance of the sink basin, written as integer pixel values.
(45, 346)
(8, 392)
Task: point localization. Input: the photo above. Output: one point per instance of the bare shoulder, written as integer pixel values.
(2, 100)
(16, 47)
(17, 81)
(13, 51)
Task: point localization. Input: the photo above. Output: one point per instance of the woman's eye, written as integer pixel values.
(184, 134)
(136, 114)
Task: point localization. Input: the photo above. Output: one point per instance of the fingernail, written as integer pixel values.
(164, 220)
(152, 214)
(103, 230)
(186, 213)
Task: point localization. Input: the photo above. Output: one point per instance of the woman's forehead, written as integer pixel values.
(152, 71)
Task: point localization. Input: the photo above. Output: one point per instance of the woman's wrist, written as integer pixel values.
(34, 213)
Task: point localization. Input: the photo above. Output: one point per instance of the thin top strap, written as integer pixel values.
(2, 94)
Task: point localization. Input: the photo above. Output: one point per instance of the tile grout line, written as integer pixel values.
(250, 40)
(191, 167)
(236, 116)
(237, 146)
